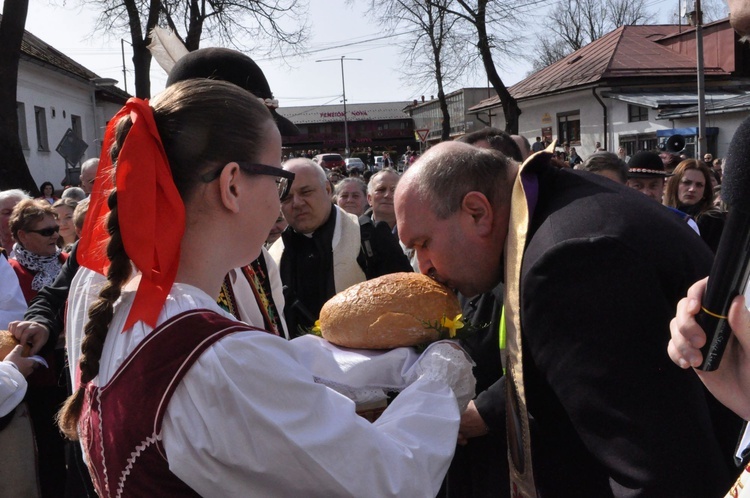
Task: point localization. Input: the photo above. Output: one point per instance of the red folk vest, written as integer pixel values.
(121, 422)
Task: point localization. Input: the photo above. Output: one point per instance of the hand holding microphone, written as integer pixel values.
(730, 383)
(731, 268)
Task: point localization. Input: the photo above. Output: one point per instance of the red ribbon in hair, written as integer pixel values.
(150, 211)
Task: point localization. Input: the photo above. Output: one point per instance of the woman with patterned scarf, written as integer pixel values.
(37, 260)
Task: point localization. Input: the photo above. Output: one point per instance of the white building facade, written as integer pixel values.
(55, 94)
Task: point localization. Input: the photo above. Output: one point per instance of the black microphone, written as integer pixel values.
(294, 304)
(729, 272)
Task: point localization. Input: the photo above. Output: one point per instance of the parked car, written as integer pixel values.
(378, 163)
(330, 161)
(354, 163)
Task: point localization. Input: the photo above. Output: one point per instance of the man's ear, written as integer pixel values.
(229, 187)
(479, 209)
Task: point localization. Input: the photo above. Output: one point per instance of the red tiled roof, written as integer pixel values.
(627, 51)
(579, 68)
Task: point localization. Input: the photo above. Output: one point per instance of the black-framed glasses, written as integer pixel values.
(283, 181)
(45, 232)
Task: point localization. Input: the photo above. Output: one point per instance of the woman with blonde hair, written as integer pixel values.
(689, 190)
(170, 391)
(65, 208)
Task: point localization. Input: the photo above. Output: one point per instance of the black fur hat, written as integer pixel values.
(234, 67)
(646, 164)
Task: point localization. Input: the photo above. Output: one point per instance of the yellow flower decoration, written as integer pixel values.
(452, 325)
(316, 328)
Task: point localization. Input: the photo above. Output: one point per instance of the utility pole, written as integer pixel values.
(124, 72)
(701, 143)
(343, 90)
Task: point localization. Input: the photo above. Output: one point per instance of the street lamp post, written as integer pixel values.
(343, 91)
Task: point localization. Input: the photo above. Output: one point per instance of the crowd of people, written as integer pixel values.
(163, 316)
(373, 160)
(689, 187)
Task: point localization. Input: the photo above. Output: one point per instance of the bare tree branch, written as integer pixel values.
(494, 23)
(576, 23)
(272, 26)
(436, 53)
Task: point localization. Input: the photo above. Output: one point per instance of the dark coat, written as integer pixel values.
(611, 415)
(480, 468)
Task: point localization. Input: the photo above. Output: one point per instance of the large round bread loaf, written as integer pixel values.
(387, 312)
(7, 343)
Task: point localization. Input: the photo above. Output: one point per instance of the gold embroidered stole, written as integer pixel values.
(519, 437)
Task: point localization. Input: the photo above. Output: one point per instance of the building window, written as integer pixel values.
(569, 128)
(648, 142)
(40, 116)
(637, 113)
(639, 142)
(23, 135)
(75, 125)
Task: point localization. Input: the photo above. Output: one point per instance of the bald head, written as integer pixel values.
(88, 174)
(305, 165)
(449, 170)
(308, 204)
(453, 206)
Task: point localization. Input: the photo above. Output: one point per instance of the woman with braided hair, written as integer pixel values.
(172, 396)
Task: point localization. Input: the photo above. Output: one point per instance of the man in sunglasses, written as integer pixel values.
(325, 249)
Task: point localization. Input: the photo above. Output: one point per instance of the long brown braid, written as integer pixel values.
(101, 312)
(100, 316)
(202, 123)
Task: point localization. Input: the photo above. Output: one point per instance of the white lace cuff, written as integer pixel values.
(446, 362)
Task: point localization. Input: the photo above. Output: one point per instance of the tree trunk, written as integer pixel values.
(195, 28)
(14, 172)
(510, 106)
(446, 128)
(142, 66)
(437, 34)
(446, 121)
(141, 54)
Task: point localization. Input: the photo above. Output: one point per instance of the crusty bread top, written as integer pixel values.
(7, 343)
(387, 312)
